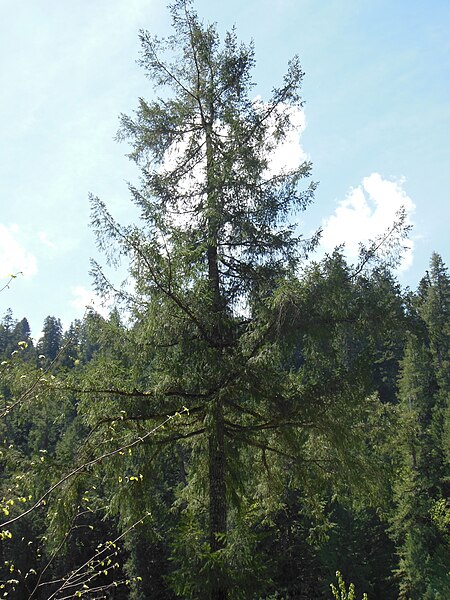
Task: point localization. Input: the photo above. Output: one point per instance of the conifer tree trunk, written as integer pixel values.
(216, 440)
(217, 494)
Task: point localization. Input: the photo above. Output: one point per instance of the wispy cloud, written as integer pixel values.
(365, 213)
(14, 256)
(84, 298)
(45, 241)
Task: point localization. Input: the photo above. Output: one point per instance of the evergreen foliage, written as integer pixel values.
(424, 398)
(50, 343)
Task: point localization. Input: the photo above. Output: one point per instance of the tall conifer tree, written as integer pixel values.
(270, 368)
(215, 240)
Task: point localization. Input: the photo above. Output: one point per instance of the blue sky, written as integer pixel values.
(377, 115)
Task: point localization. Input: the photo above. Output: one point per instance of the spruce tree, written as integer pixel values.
(50, 343)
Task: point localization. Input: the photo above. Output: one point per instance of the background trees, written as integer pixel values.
(424, 398)
(359, 485)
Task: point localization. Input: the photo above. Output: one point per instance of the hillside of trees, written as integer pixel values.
(246, 422)
(101, 488)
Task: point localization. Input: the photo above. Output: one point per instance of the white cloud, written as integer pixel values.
(289, 154)
(84, 299)
(286, 156)
(14, 257)
(367, 212)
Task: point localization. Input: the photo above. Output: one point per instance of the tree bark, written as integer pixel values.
(216, 439)
(217, 497)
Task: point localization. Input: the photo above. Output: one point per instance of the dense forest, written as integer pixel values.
(247, 422)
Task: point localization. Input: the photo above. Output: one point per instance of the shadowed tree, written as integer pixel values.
(422, 484)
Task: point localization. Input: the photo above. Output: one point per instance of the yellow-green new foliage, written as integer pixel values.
(341, 593)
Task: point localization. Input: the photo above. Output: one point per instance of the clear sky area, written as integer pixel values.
(375, 124)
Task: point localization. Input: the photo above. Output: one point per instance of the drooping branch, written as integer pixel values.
(271, 425)
(12, 276)
(85, 466)
(81, 575)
